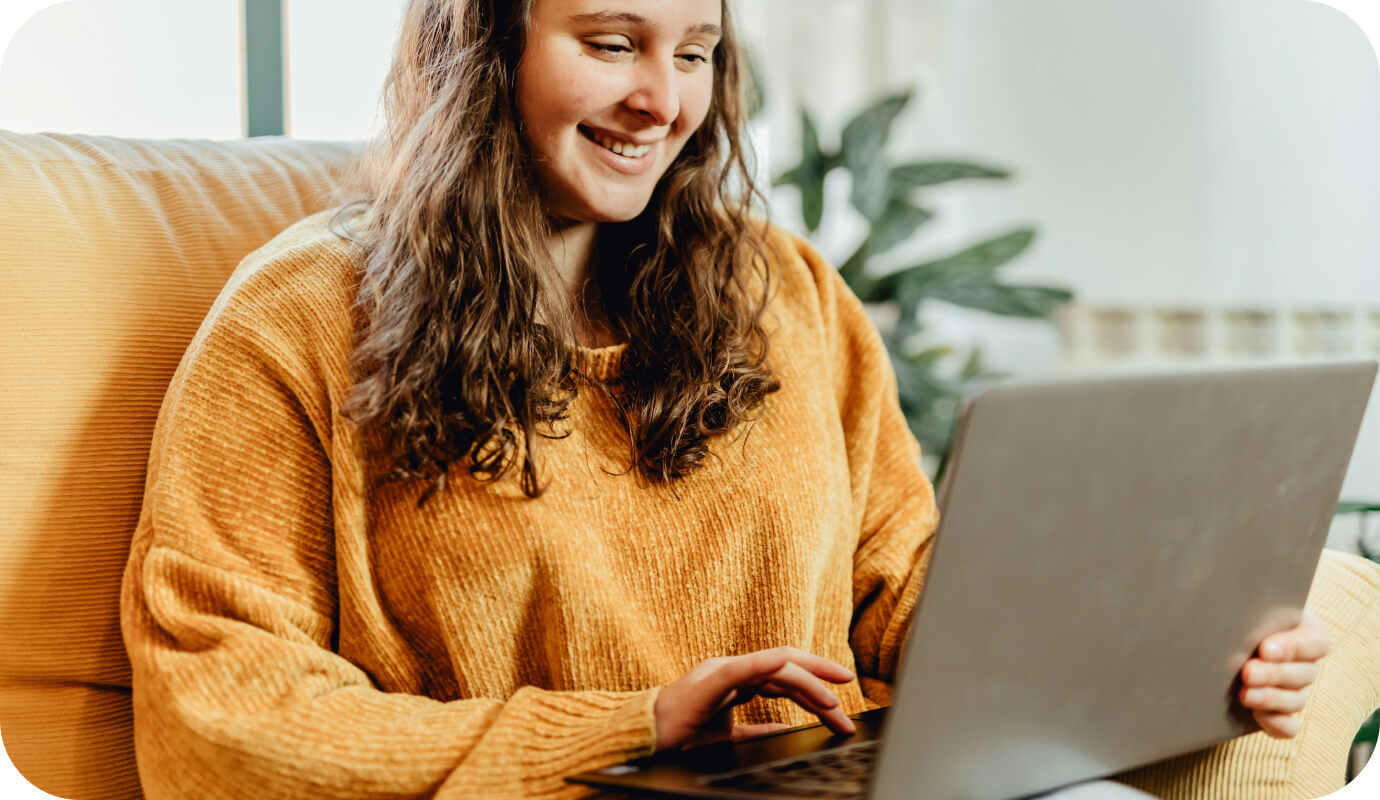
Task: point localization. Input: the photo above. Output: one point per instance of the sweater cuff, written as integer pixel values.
(554, 735)
(588, 730)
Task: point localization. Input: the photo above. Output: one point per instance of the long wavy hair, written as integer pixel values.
(465, 353)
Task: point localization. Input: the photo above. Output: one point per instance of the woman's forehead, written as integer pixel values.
(654, 14)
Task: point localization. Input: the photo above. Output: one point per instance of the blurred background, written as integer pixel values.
(1019, 188)
(1083, 185)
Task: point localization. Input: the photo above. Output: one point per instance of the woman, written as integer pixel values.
(552, 459)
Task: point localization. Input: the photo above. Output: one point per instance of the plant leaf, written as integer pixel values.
(929, 355)
(979, 260)
(811, 173)
(812, 204)
(972, 368)
(787, 178)
(999, 298)
(811, 155)
(933, 173)
(865, 135)
(871, 190)
(808, 175)
(855, 274)
(862, 148)
(895, 225)
(1355, 507)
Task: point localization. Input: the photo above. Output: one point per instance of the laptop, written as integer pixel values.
(1111, 552)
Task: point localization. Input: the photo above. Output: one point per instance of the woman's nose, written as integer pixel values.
(656, 95)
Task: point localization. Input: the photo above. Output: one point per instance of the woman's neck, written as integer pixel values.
(571, 248)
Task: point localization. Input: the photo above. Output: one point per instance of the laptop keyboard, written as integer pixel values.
(842, 772)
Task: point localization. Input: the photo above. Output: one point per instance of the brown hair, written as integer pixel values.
(465, 352)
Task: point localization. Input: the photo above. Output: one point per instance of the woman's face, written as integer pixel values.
(609, 91)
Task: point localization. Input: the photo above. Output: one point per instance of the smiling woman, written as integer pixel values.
(432, 483)
(454, 494)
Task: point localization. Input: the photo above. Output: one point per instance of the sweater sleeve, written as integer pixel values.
(893, 501)
(231, 618)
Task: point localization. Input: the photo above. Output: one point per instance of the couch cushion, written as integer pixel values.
(111, 252)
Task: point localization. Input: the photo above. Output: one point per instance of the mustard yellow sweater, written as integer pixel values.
(297, 633)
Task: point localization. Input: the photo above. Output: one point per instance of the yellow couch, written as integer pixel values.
(111, 251)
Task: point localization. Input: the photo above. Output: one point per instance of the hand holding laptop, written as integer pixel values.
(1275, 683)
(697, 708)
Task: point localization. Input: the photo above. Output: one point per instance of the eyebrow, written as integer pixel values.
(607, 17)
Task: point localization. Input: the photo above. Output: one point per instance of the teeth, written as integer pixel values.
(622, 148)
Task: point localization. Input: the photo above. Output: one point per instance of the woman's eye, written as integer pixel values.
(694, 58)
(609, 48)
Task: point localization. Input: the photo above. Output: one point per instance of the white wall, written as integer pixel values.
(338, 56)
(172, 68)
(140, 68)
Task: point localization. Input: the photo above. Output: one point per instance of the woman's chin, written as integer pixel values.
(622, 213)
(614, 209)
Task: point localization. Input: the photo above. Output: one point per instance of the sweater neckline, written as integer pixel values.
(602, 364)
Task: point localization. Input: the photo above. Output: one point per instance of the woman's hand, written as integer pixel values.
(697, 708)
(1275, 684)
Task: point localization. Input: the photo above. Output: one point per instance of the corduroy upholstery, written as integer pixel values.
(111, 252)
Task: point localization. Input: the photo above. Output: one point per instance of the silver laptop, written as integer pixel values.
(1111, 552)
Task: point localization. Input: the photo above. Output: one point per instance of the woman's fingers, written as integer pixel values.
(748, 731)
(794, 679)
(796, 676)
(1274, 701)
(795, 682)
(1306, 641)
(820, 666)
(782, 664)
(733, 698)
(832, 716)
(1280, 726)
(1289, 675)
(1275, 684)
(700, 703)
(716, 684)
(736, 733)
(726, 674)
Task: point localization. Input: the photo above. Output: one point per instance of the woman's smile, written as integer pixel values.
(621, 155)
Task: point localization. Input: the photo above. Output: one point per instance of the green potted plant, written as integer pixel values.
(888, 197)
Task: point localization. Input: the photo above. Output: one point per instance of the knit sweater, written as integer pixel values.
(297, 631)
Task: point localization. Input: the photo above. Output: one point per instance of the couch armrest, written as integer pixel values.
(1346, 595)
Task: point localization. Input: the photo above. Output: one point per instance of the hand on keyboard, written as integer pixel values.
(697, 708)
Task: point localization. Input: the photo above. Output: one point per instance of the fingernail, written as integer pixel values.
(1254, 696)
(1272, 650)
